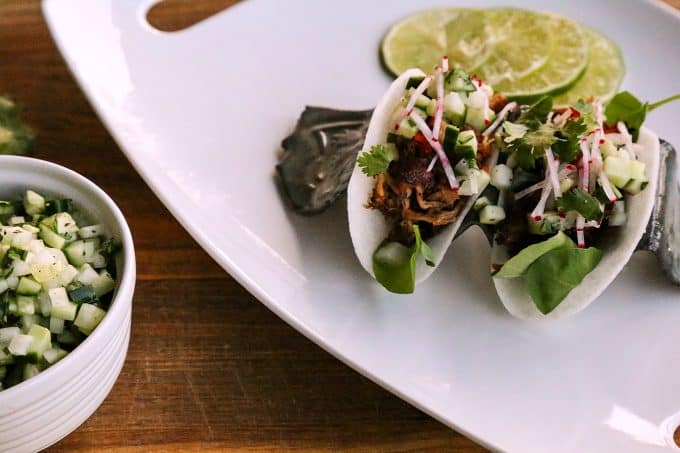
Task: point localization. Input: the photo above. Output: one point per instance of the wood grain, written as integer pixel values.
(209, 368)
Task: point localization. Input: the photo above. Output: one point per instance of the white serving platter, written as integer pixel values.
(201, 112)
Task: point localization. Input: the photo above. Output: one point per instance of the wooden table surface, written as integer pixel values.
(209, 367)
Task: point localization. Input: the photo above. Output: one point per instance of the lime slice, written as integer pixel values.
(566, 62)
(519, 41)
(467, 43)
(603, 75)
(419, 41)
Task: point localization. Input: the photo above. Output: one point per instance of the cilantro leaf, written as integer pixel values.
(394, 264)
(15, 137)
(580, 201)
(567, 145)
(377, 160)
(532, 144)
(554, 274)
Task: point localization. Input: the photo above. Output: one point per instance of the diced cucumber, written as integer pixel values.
(480, 203)
(53, 355)
(491, 215)
(89, 317)
(407, 128)
(62, 308)
(30, 370)
(86, 275)
(20, 344)
(34, 203)
(6, 335)
(43, 303)
(466, 146)
(454, 109)
(64, 224)
(25, 305)
(638, 180)
(617, 170)
(549, 223)
(103, 284)
(98, 261)
(90, 231)
(81, 251)
(56, 325)
(501, 177)
(422, 101)
(51, 238)
(42, 341)
(479, 119)
(17, 220)
(28, 287)
(450, 139)
(6, 358)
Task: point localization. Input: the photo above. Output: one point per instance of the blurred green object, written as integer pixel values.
(15, 136)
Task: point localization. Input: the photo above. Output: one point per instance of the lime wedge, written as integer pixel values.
(603, 75)
(519, 42)
(566, 62)
(419, 41)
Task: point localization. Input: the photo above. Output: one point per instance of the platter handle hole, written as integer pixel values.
(177, 15)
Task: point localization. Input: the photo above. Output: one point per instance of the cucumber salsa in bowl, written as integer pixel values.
(56, 282)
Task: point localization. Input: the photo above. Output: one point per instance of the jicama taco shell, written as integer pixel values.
(617, 248)
(368, 228)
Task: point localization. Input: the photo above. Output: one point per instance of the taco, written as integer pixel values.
(424, 163)
(580, 194)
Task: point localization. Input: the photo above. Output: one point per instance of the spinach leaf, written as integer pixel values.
(394, 264)
(580, 201)
(377, 160)
(551, 277)
(629, 109)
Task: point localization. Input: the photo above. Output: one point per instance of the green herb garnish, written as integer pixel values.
(580, 201)
(394, 264)
(551, 277)
(377, 160)
(629, 109)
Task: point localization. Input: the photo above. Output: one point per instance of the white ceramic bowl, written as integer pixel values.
(40, 411)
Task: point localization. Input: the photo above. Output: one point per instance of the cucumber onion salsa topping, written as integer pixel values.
(568, 170)
(431, 163)
(56, 283)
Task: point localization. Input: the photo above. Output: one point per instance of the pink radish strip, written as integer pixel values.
(627, 138)
(539, 185)
(445, 63)
(432, 162)
(422, 86)
(499, 119)
(606, 186)
(439, 113)
(448, 170)
(580, 237)
(585, 165)
(552, 172)
(537, 213)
